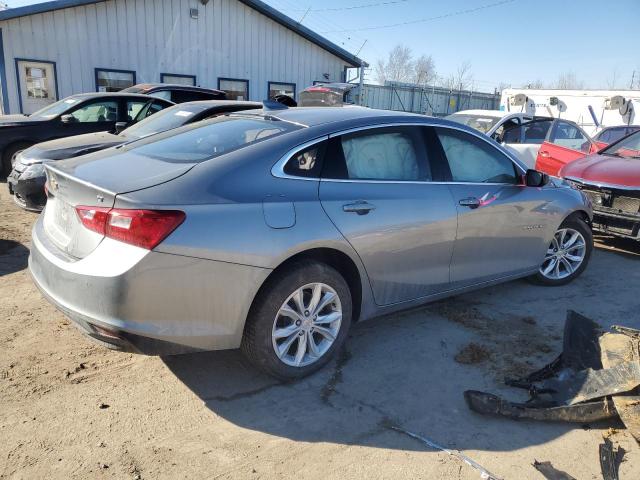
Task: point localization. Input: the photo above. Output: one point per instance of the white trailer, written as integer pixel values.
(591, 109)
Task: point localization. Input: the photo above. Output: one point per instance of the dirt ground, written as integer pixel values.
(72, 409)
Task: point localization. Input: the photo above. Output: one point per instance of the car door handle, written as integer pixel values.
(360, 207)
(471, 202)
(545, 154)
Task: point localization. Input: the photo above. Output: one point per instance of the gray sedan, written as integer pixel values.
(275, 230)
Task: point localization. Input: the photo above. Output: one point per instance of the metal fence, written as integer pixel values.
(436, 101)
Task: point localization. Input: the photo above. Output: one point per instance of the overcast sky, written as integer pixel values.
(513, 42)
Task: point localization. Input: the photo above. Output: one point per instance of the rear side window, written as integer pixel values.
(307, 163)
(472, 160)
(569, 136)
(214, 138)
(392, 154)
(534, 132)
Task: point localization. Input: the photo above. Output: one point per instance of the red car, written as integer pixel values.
(566, 142)
(611, 179)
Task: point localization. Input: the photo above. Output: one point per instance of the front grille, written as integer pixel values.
(626, 204)
(596, 198)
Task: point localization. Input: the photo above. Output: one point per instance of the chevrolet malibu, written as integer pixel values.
(275, 230)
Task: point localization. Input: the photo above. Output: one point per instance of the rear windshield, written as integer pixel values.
(628, 147)
(211, 138)
(167, 119)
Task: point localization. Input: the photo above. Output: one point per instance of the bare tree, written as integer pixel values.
(399, 66)
(535, 84)
(612, 81)
(568, 81)
(424, 71)
(462, 79)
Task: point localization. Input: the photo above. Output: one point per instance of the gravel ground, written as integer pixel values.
(72, 409)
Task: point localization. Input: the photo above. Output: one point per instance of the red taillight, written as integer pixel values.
(143, 228)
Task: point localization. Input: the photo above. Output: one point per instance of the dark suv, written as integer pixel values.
(176, 93)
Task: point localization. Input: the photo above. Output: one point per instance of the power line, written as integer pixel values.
(354, 7)
(423, 20)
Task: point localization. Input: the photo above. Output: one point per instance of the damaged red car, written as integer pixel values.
(611, 179)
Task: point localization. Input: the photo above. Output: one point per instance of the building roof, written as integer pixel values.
(257, 5)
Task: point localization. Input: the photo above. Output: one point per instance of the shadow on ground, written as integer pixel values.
(13, 257)
(401, 369)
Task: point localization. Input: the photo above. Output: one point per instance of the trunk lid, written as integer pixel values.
(95, 180)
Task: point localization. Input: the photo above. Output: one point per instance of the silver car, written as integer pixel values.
(275, 230)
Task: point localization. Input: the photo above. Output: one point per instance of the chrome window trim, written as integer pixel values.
(589, 183)
(278, 168)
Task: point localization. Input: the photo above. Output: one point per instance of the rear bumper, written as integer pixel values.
(28, 194)
(145, 301)
(618, 224)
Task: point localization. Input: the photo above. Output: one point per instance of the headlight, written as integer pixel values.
(33, 171)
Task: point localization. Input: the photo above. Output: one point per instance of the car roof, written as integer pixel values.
(109, 94)
(611, 127)
(220, 103)
(151, 87)
(312, 116)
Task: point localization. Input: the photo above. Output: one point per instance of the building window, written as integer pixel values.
(114, 80)
(178, 79)
(279, 88)
(234, 88)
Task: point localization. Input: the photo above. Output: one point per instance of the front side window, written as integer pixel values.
(133, 108)
(210, 139)
(234, 89)
(472, 160)
(389, 154)
(534, 132)
(99, 111)
(113, 80)
(278, 88)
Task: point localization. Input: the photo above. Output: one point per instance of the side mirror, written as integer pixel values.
(68, 118)
(534, 178)
(120, 126)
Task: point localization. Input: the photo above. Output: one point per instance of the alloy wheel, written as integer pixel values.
(307, 324)
(565, 254)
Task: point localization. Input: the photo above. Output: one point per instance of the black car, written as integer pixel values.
(176, 93)
(26, 181)
(609, 135)
(74, 115)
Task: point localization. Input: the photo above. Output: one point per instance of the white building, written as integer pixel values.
(51, 50)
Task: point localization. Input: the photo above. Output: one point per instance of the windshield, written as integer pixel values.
(55, 109)
(482, 123)
(167, 119)
(211, 138)
(628, 147)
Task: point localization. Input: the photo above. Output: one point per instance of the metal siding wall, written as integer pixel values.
(229, 39)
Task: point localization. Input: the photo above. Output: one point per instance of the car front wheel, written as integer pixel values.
(567, 255)
(298, 321)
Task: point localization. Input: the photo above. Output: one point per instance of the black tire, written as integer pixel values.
(581, 226)
(257, 343)
(9, 153)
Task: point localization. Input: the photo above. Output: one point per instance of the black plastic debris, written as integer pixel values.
(610, 460)
(596, 377)
(549, 472)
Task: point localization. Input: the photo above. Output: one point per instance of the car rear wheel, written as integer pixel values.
(298, 321)
(567, 255)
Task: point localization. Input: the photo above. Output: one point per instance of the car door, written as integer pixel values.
(377, 189)
(524, 141)
(567, 143)
(96, 115)
(502, 224)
